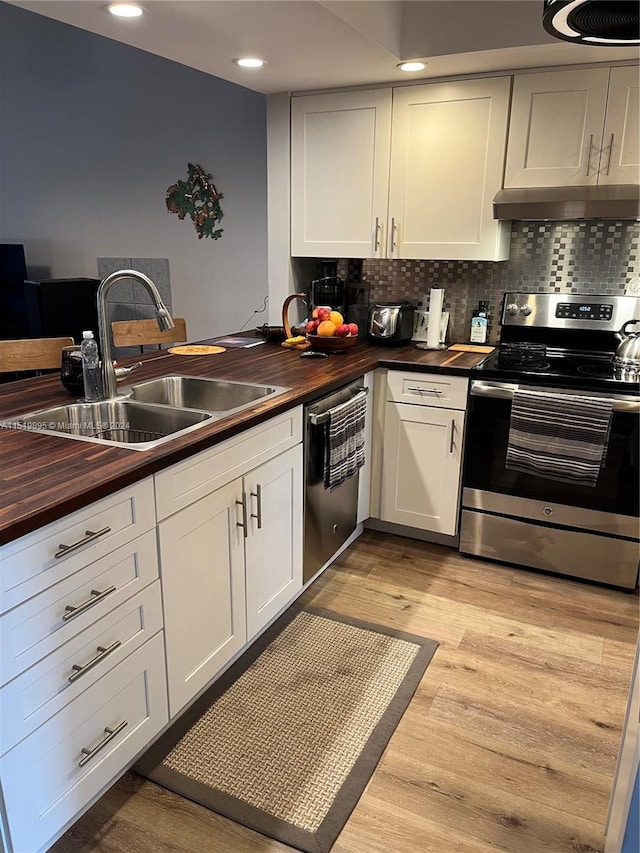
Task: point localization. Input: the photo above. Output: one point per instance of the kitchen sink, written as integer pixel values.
(121, 422)
(192, 392)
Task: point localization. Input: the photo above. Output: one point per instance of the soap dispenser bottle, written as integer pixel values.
(480, 323)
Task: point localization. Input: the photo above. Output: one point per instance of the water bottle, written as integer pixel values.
(91, 367)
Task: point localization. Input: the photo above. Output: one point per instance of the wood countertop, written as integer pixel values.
(45, 477)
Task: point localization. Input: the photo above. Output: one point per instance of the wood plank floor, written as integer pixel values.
(509, 743)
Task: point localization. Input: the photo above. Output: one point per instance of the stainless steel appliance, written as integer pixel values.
(390, 323)
(330, 517)
(564, 344)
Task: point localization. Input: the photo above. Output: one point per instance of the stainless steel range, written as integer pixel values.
(552, 476)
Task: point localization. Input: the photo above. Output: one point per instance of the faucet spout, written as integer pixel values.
(163, 317)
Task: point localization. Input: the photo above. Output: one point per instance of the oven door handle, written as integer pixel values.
(506, 391)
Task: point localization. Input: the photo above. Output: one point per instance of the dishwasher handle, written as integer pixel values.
(322, 418)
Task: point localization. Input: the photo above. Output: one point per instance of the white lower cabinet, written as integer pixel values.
(50, 776)
(202, 566)
(229, 563)
(422, 451)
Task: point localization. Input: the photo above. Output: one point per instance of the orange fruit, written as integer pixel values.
(326, 329)
(336, 318)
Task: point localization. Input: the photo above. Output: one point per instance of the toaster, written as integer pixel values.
(390, 323)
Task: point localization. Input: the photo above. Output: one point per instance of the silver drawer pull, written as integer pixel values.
(89, 536)
(606, 171)
(426, 390)
(111, 733)
(589, 156)
(96, 596)
(258, 515)
(243, 523)
(102, 653)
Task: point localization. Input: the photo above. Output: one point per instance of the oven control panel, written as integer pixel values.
(584, 311)
(603, 313)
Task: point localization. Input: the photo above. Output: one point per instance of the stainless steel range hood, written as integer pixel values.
(620, 201)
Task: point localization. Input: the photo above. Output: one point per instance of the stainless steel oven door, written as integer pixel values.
(585, 531)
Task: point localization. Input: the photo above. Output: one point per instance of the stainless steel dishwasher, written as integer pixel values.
(330, 517)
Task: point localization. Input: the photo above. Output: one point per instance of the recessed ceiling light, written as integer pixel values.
(412, 65)
(250, 62)
(125, 10)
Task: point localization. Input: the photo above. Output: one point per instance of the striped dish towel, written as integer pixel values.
(344, 441)
(558, 436)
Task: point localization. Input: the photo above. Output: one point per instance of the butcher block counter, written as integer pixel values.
(45, 477)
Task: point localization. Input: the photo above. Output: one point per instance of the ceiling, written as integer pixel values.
(312, 45)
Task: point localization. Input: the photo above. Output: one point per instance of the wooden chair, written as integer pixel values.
(139, 333)
(32, 354)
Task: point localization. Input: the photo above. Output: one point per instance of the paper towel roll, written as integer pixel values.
(436, 298)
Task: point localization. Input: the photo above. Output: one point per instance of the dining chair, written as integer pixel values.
(32, 354)
(139, 333)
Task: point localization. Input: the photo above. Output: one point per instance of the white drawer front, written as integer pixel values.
(186, 482)
(44, 689)
(30, 564)
(43, 623)
(43, 785)
(427, 389)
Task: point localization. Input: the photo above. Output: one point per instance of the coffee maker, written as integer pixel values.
(329, 289)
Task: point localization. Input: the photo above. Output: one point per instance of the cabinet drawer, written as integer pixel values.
(43, 784)
(43, 623)
(44, 689)
(186, 482)
(39, 560)
(427, 389)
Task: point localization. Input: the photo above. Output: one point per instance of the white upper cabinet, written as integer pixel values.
(340, 174)
(620, 163)
(415, 180)
(574, 128)
(447, 160)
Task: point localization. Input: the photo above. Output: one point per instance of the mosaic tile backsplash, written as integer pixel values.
(589, 257)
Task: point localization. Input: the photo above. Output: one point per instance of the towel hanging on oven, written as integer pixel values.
(344, 444)
(558, 436)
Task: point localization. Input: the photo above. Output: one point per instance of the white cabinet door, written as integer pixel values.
(202, 570)
(273, 545)
(620, 161)
(555, 137)
(422, 465)
(447, 159)
(339, 174)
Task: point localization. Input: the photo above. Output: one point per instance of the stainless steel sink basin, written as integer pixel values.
(121, 422)
(193, 392)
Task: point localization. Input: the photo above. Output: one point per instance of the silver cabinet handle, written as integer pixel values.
(102, 653)
(376, 238)
(111, 733)
(96, 596)
(243, 523)
(453, 433)
(589, 155)
(258, 515)
(426, 390)
(392, 236)
(89, 536)
(606, 171)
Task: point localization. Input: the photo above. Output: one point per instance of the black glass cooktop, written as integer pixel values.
(563, 371)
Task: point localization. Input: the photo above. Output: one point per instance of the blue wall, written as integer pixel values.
(631, 842)
(92, 132)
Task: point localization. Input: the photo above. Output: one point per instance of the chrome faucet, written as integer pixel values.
(165, 322)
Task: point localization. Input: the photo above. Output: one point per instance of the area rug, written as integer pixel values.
(287, 739)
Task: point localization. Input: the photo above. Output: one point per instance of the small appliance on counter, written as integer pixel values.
(329, 291)
(390, 323)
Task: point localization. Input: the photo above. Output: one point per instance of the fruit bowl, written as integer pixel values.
(332, 343)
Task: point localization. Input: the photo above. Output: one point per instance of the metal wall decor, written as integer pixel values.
(198, 198)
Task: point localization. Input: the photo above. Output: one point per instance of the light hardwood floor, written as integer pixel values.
(509, 743)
